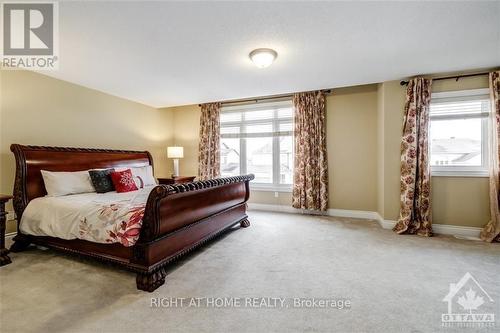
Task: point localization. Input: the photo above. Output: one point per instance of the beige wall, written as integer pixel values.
(39, 110)
(390, 120)
(380, 149)
(352, 148)
(455, 200)
(460, 201)
(186, 134)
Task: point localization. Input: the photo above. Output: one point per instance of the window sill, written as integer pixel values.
(270, 189)
(460, 174)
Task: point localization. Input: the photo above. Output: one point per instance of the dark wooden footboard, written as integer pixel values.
(177, 218)
(181, 217)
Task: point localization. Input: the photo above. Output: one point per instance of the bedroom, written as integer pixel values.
(342, 79)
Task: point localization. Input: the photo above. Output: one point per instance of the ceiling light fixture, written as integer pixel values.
(263, 58)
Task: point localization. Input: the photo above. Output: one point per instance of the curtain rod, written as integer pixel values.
(265, 98)
(456, 77)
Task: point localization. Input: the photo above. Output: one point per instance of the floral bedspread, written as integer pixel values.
(113, 223)
(102, 218)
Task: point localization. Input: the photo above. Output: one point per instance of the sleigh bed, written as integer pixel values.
(177, 218)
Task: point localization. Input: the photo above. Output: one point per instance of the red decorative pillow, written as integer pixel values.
(123, 181)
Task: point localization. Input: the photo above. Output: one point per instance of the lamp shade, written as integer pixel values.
(175, 152)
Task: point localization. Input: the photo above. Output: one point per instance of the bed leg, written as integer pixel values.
(20, 244)
(245, 223)
(4, 257)
(150, 281)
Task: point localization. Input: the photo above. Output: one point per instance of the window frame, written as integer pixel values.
(275, 186)
(460, 170)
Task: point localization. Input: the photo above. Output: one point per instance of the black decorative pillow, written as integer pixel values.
(101, 179)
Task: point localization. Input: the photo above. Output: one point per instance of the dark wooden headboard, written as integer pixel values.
(31, 159)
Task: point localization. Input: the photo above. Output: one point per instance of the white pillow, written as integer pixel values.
(143, 176)
(64, 183)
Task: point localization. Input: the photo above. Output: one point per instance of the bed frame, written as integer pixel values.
(177, 218)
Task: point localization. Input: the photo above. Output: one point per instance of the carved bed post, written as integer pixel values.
(20, 200)
(246, 223)
(149, 281)
(150, 221)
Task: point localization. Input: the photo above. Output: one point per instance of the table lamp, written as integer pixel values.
(175, 153)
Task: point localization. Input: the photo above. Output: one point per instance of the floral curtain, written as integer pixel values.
(310, 179)
(415, 205)
(491, 231)
(208, 152)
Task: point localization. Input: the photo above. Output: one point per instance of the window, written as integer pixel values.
(258, 139)
(458, 133)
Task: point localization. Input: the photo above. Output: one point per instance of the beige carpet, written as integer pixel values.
(394, 283)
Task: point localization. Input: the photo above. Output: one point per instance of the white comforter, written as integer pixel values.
(102, 218)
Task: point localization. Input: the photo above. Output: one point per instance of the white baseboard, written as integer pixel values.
(274, 208)
(386, 224)
(358, 214)
(457, 231)
(444, 229)
(10, 235)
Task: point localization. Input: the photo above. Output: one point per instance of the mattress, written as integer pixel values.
(97, 217)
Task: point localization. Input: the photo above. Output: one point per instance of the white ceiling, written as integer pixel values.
(173, 53)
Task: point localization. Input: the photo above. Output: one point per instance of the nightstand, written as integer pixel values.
(176, 180)
(4, 258)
